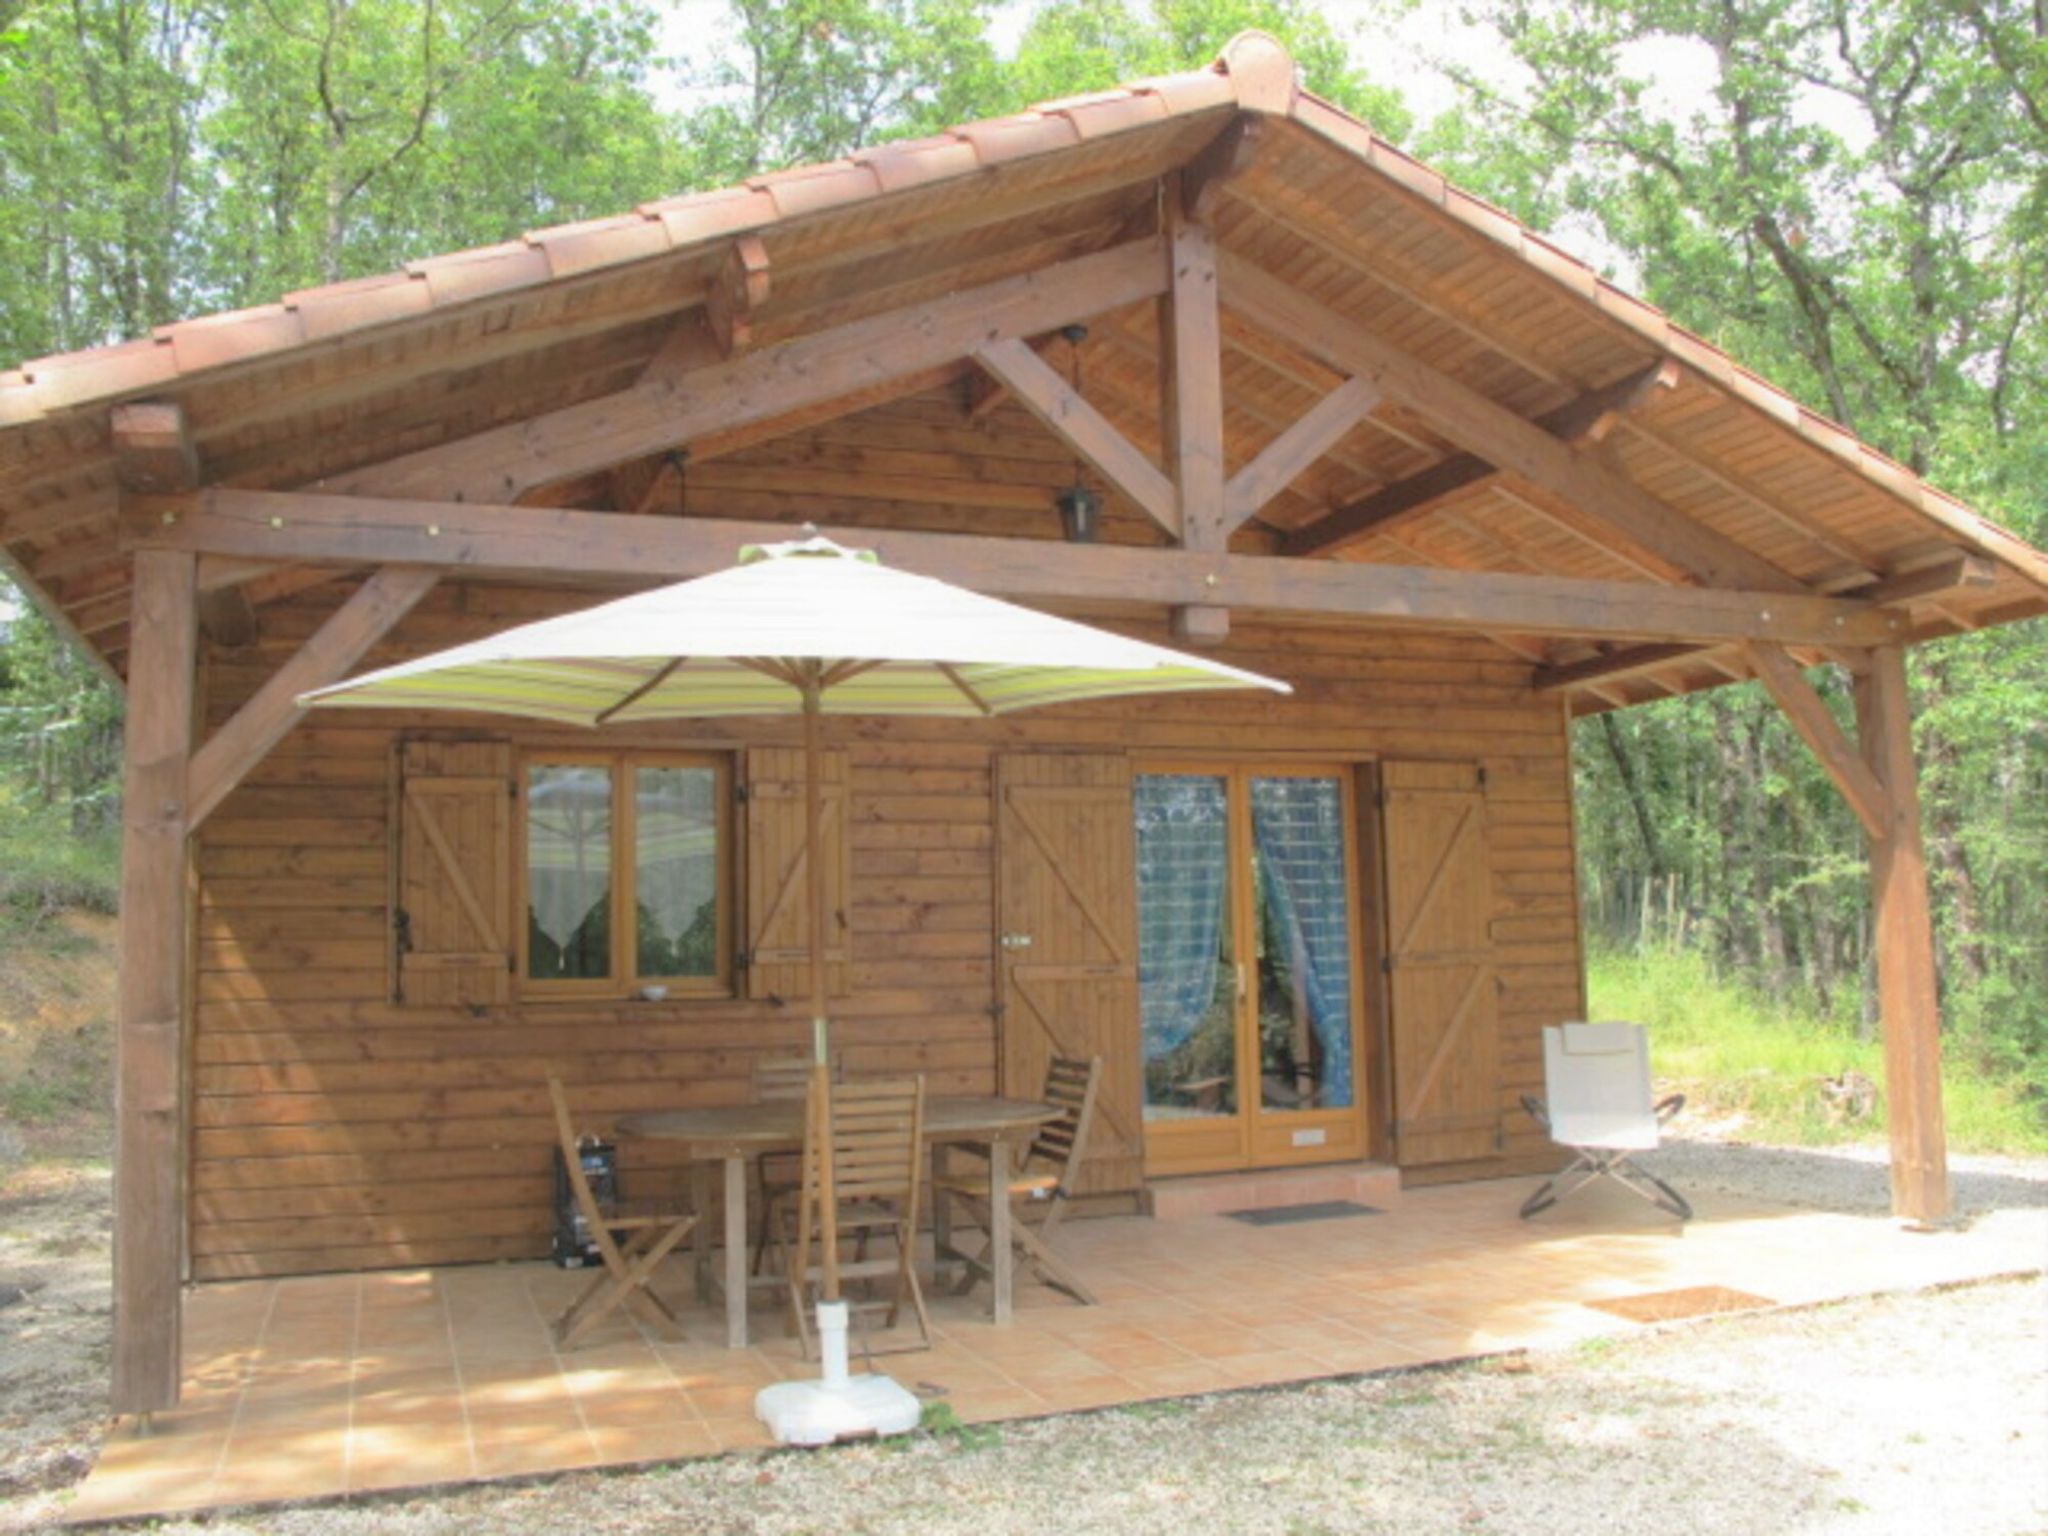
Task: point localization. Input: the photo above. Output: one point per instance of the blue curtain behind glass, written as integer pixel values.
(1299, 827)
(1183, 841)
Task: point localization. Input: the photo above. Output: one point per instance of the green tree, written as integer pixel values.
(800, 81)
(1856, 204)
(1079, 45)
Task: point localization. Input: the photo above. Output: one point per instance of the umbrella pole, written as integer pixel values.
(814, 882)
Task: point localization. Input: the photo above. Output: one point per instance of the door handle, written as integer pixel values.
(1016, 941)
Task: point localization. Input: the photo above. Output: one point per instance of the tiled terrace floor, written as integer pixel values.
(317, 1386)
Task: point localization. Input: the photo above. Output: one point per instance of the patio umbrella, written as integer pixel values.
(808, 627)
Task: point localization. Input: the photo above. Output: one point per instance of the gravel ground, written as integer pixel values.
(1846, 1178)
(1921, 1413)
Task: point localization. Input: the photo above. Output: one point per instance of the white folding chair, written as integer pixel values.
(1597, 1081)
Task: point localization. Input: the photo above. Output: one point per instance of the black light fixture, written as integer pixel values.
(1080, 508)
(679, 461)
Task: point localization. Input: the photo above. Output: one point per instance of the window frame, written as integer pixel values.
(625, 983)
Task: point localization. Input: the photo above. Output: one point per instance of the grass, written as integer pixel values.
(47, 868)
(1734, 1050)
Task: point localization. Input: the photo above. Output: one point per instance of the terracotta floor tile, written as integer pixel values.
(654, 1442)
(642, 1407)
(422, 1376)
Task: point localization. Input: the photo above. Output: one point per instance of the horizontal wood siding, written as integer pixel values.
(332, 1129)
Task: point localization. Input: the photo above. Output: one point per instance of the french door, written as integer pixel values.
(1249, 987)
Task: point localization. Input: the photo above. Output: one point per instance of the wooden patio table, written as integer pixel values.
(735, 1134)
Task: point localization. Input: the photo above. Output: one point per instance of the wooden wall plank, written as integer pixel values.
(369, 1133)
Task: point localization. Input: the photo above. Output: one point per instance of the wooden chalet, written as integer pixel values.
(1344, 422)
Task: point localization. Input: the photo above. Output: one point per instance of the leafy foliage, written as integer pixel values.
(1854, 200)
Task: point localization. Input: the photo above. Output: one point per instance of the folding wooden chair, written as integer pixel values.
(632, 1242)
(1597, 1079)
(861, 1179)
(1041, 1188)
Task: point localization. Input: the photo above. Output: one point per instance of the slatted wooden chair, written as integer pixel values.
(632, 1242)
(862, 1177)
(1044, 1183)
(779, 1175)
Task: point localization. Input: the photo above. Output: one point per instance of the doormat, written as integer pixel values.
(1673, 1306)
(1315, 1210)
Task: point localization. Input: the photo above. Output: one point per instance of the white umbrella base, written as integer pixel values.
(838, 1407)
(820, 1412)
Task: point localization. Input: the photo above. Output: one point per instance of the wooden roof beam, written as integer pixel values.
(503, 462)
(346, 530)
(1954, 572)
(1586, 419)
(1610, 666)
(740, 288)
(1492, 431)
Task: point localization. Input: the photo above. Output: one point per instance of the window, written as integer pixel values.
(628, 883)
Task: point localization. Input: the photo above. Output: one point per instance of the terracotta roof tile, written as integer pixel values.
(480, 273)
(595, 243)
(1555, 262)
(1202, 90)
(217, 340)
(1012, 138)
(343, 307)
(816, 188)
(1407, 171)
(914, 162)
(1253, 71)
(1100, 116)
(1478, 214)
(1261, 71)
(56, 382)
(708, 215)
(1640, 316)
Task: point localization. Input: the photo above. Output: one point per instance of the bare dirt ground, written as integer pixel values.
(1921, 1413)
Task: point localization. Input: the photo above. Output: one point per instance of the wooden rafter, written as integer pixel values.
(347, 530)
(769, 381)
(1585, 419)
(1492, 431)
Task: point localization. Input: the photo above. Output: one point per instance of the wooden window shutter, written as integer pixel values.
(454, 898)
(778, 906)
(1443, 987)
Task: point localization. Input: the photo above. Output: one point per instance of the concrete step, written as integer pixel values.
(1211, 1194)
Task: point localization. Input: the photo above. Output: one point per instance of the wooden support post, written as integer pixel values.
(1908, 1001)
(1191, 389)
(1191, 399)
(149, 1079)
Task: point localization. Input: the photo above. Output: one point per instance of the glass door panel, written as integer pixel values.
(1302, 913)
(1247, 893)
(1186, 947)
